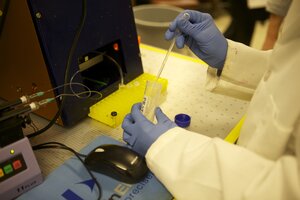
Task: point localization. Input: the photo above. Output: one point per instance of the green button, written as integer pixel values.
(8, 169)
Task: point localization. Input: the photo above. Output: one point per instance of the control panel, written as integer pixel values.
(12, 167)
(19, 170)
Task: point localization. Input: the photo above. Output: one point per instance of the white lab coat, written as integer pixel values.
(265, 163)
(253, 4)
(278, 7)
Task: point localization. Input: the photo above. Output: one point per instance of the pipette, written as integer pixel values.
(185, 16)
(153, 89)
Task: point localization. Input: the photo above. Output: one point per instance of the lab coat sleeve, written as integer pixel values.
(193, 166)
(255, 4)
(243, 68)
(278, 7)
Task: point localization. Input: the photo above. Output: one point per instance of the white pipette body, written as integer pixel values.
(152, 91)
(185, 16)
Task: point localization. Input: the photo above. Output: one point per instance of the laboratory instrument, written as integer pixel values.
(153, 88)
(185, 16)
(35, 42)
(19, 170)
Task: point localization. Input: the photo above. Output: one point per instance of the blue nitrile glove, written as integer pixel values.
(201, 35)
(140, 133)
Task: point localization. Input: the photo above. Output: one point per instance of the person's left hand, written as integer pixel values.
(140, 133)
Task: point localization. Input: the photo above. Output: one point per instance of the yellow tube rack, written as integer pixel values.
(112, 109)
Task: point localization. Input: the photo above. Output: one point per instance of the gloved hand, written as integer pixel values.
(201, 35)
(140, 133)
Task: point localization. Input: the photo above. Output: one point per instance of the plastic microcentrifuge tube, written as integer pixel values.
(151, 98)
(114, 115)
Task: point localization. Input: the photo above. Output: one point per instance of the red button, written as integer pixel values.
(17, 164)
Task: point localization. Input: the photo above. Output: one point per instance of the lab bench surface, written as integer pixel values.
(211, 114)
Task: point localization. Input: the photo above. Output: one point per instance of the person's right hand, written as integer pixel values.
(201, 35)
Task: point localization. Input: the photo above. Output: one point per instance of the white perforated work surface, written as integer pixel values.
(212, 114)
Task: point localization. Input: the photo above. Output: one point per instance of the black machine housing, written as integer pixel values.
(109, 32)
